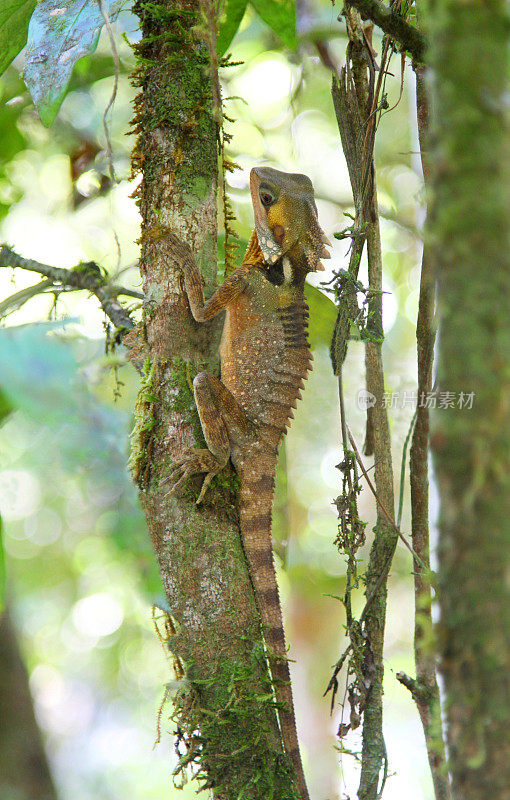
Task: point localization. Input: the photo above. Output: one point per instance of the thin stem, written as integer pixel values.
(379, 501)
(109, 151)
(428, 700)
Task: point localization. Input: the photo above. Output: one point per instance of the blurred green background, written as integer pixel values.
(80, 571)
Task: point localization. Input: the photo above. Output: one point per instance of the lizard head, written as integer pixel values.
(286, 218)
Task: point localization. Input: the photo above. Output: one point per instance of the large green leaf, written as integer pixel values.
(5, 406)
(30, 358)
(229, 21)
(41, 378)
(58, 35)
(322, 317)
(14, 18)
(76, 431)
(280, 16)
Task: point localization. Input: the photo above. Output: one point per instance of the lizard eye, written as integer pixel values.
(266, 197)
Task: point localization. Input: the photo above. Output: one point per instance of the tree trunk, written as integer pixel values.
(468, 228)
(224, 709)
(24, 772)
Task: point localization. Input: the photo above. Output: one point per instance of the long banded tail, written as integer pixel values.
(256, 501)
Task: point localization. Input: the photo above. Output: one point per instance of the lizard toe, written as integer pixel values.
(179, 484)
(194, 462)
(207, 480)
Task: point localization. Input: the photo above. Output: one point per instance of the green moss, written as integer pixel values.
(145, 423)
(181, 379)
(208, 742)
(177, 98)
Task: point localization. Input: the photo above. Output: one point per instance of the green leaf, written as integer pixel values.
(14, 18)
(280, 16)
(322, 317)
(41, 378)
(229, 21)
(5, 406)
(58, 35)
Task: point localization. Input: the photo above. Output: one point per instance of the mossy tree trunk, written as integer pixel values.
(469, 226)
(223, 710)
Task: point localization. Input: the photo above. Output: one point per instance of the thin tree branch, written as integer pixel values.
(87, 276)
(374, 756)
(379, 501)
(115, 55)
(18, 299)
(427, 701)
(419, 691)
(394, 25)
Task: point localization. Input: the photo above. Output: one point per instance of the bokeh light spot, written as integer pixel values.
(97, 615)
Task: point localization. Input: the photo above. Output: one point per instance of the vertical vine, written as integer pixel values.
(358, 98)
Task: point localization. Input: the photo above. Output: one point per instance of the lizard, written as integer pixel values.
(265, 357)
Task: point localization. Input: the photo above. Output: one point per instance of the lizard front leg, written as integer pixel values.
(223, 422)
(201, 309)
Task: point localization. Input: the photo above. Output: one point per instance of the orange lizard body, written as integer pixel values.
(264, 358)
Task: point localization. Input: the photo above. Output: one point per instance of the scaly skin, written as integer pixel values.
(264, 358)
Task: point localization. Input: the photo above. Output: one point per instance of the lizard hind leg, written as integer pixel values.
(223, 422)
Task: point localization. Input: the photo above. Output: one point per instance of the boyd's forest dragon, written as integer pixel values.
(264, 358)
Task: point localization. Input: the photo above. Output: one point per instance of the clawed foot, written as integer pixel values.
(194, 461)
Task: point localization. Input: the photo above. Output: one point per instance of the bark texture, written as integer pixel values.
(425, 689)
(24, 772)
(224, 711)
(468, 229)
